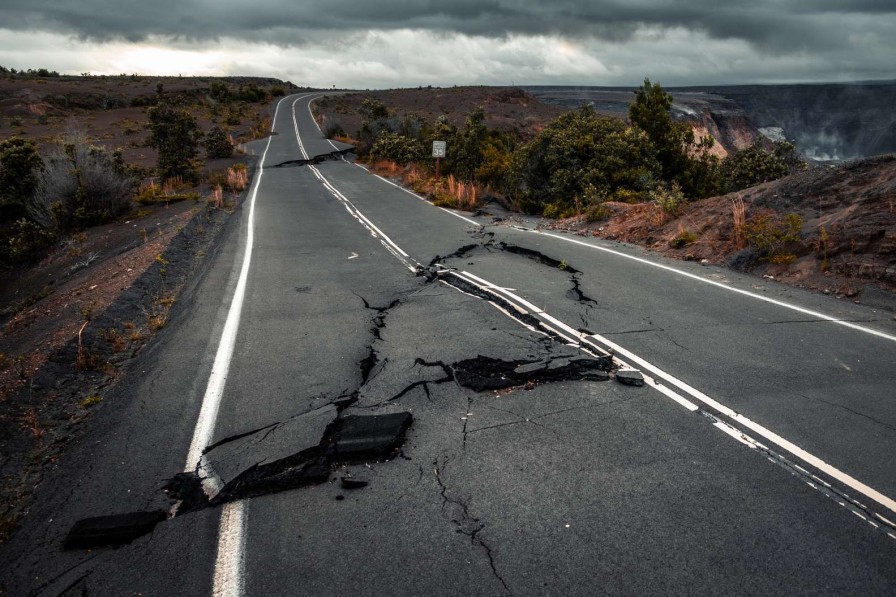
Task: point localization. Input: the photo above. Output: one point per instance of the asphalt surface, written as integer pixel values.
(758, 459)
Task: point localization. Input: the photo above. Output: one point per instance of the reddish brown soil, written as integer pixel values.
(848, 238)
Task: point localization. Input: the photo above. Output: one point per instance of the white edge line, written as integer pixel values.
(766, 299)
(211, 401)
(413, 194)
(229, 580)
(386, 180)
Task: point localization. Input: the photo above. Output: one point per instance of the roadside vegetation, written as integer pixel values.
(577, 162)
(577, 165)
(53, 187)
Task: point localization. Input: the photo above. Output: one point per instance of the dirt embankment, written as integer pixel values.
(104, 296)
(847, 237)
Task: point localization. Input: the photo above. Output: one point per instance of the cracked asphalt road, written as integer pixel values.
(507, 464)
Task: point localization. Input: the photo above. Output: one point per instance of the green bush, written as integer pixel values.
(19, 167)
(756, 164)
(770, 235)
(398, 148)
(218, 144)
(685, 237)
(577, 152)
(668, 197)
(28, 241)
(597, 212)
(175, 134)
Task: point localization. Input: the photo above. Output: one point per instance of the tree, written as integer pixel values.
(582, 158)
(375, 115)
(682, 158)
(19, 165)
(470, 145)
(176, 135)
(218, 144)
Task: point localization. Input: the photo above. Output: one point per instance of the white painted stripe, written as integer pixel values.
(229, 580)
(387, 242)
(211, 401)
(669, 393)
(769, 435)
(229, 560)
(766, 299)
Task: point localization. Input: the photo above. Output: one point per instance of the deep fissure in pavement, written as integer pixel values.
(333, 155)
(356, 438)
(482, 373)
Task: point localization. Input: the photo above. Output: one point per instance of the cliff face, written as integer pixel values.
(721, 118)
(829, 121)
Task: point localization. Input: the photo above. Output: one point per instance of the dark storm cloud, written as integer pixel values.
(772, 26)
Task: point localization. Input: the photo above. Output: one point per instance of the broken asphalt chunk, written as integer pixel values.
(372, 436)
(269, 444)
(486, 373)
(630, 377)
(350, 484)
(117, 529)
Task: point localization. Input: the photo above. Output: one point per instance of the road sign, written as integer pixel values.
(438, 149)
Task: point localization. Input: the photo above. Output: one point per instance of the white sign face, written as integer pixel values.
(438, 149)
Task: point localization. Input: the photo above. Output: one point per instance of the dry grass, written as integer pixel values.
(217, 199)
(739, 213)
(345, 139)
(465, 193)
(237, 177)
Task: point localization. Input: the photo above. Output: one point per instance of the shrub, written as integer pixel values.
(755, 165)
(669, 198)
(331, 126)
(578, 151)
(597, 212)
(175, 134)
(28, 241)
(218, 144)
(19, 167)
(397, 148)
(494, 169)
(770, 234)
(81, 185)
(685, 237)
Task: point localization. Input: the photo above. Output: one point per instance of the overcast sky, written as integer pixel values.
(400, 43)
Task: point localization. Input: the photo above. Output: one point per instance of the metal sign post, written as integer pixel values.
(438, 152)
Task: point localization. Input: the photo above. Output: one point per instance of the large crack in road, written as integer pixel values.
(273, 458)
